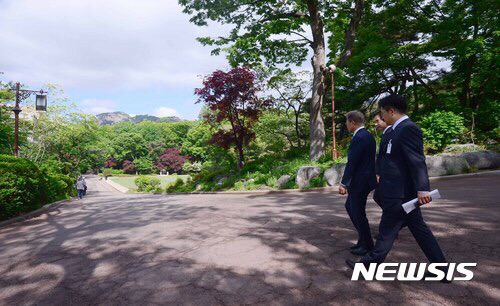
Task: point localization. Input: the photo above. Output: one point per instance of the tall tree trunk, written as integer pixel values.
(316, 124)
(241, 156)
(465, 93)
(297, 114)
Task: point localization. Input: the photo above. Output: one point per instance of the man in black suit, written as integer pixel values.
(403, 176)
(380, 125)
(359, 179)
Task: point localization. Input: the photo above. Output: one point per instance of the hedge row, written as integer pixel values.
(24, 188)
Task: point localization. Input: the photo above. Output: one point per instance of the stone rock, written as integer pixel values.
(461, 148)
(305, 174)
(333, 175)
(448, 164)
(283, 180)
(445, 164)
(483, 159)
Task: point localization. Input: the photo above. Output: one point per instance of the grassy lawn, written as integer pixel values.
(128, 181)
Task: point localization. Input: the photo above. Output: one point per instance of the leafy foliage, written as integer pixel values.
(171, 160)
(23, 187)
(147, 183)
(441, 128)
(232, 97)
(128, 166)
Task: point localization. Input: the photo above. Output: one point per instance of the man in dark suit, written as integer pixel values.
(382, 126)
(403, 176)
(359, 179)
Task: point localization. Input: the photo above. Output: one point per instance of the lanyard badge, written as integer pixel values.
(389, 147)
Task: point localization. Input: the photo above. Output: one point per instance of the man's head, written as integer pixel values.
(354, 120)
(392, 108)
(379, 122)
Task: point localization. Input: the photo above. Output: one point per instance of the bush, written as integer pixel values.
(441, 129)
(117, 172)
(21, 187)
(272, 182)
(107, 172)
(147, 183)
(59, 187)
(173, 187)
(316, 182)
(189, 167)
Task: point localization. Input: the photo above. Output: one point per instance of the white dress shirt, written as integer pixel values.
(399, 121)
(361, 127)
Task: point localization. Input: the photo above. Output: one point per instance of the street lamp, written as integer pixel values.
(335, 155)
(21, 94)
(41, 102)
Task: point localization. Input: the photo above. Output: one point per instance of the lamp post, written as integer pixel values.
(335, 155)
(21, 94)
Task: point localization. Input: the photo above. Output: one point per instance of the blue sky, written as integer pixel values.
(140, 57)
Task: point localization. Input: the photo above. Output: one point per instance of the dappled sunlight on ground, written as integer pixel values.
(113, 248)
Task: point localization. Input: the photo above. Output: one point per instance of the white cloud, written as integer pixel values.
(98, 106)
(165, 112)
(103, 44)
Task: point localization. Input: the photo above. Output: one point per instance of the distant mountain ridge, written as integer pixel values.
(117, 117)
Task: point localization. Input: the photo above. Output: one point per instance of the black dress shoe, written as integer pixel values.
(350, 263)
(357, 245)
(429, 274)
(361, 251)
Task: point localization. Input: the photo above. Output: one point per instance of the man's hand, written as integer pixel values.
(342, 190)
(378, 179)
(424, 197)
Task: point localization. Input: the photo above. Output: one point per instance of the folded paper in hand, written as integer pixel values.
(411, 205)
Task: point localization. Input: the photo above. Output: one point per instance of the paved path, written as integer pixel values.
(279, 249)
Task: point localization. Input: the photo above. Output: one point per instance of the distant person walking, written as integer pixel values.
(80, 186)
(84, 184)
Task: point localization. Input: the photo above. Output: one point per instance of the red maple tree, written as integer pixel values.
(110, 163)
(171, 159)
(232, 97)
(128, 166)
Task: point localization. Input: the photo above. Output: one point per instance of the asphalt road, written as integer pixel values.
(277, 249)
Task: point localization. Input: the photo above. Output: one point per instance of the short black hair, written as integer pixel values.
(355, 116)
(395, 102)
(378, 114)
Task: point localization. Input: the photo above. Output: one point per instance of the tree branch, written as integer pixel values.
(350, 34)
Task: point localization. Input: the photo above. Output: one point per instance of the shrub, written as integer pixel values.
(21, 186)
(189, 167)
(173, 187)
(59, 186)
(272, 182)
(440, 129)
(117, 172)
(239, 186)
(291, 184)
(107, 172)
(316, 182)
(147, 183)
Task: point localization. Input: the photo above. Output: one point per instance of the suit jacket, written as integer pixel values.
(359, 173)
(403, 172)
(382, 149)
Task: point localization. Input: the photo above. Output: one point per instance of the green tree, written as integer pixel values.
(440, 129)
(274, 33)
(129, 146)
